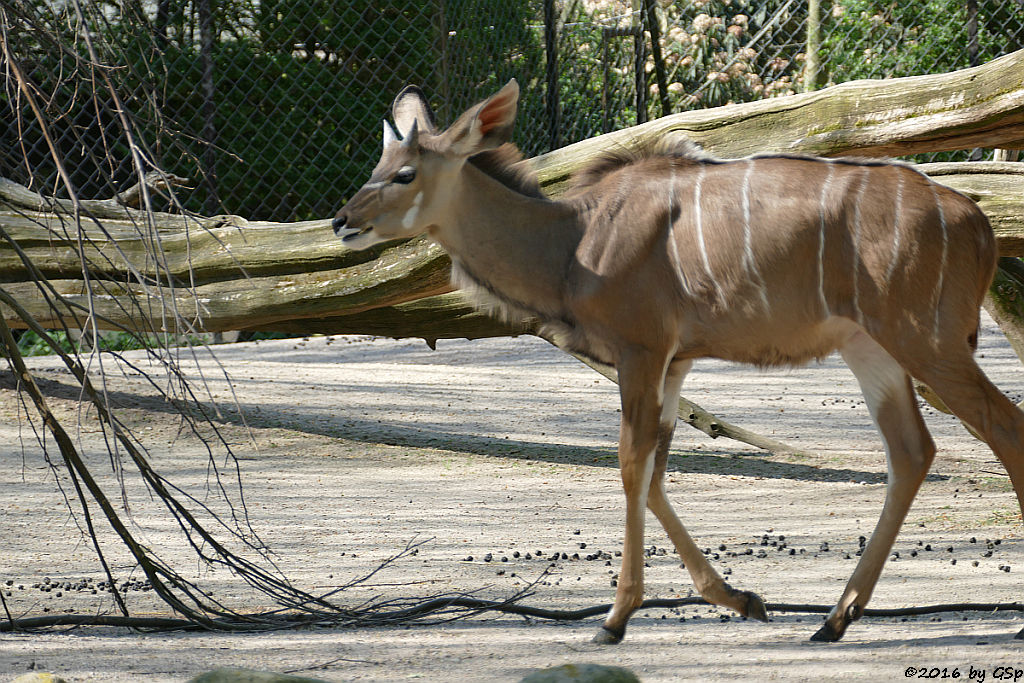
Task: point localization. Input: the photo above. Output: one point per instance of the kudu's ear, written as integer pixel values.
(411, 106)
(486, 125)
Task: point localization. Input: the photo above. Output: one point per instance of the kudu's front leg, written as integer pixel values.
(649, 408)
(641, 377)
(707, 581)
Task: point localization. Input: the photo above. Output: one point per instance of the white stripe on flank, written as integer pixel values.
(699, 220)
(821, 237)
(856, 243)
(895, 232)
(673, 248)
(748, 251)
(942, 264)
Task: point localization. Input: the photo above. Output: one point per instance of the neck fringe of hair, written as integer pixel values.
(678, 150)
(503, 165)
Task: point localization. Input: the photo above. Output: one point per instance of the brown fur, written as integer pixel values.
(609, 161)
(663, 255)
(503, 165)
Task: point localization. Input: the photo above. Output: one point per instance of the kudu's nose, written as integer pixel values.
(339, 222)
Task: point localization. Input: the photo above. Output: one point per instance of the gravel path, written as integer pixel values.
(503, 451)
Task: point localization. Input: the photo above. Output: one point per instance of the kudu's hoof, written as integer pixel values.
(828, 634)
(607, 636)
(755, 607)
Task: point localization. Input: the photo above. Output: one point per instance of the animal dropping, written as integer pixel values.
(658, 257)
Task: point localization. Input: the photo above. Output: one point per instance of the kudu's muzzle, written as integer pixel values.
(340, 222)
(345, 230)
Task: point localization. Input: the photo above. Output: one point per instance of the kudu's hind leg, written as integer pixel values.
(910, 450)
(965, 390)
(707, 581)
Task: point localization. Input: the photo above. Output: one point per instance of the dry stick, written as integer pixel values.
(150, 565)
(77, 469)
(67, 449)
(693, 415)
(250, 572)
(55, 298)
(78, 205)
(224, 618)
(478, 606)
(19, 195)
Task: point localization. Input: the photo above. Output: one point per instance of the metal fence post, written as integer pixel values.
(551, 66)
(640, 59)
(442, 39)
(972, 32)
(659, 61)
(211, 204)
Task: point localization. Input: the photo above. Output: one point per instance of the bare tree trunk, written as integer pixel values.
(812, 63)
(551, 104)
(297, 276)
(654, 26)
(978, 107)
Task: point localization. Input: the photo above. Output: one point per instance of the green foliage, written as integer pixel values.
(299, 91)
(882, 39)
(31, 344)
(300, 86)
(300, 99)
(292, 106)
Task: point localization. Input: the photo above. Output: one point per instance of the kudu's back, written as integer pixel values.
(765, 259)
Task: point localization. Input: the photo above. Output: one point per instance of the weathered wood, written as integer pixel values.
(998, 187)
(121, 206)
(1005, 302)
(189, 250)
(978, 107)
(228, 273)
(298, 277)
(700, 419)
(444, 316)
(193, 254)
(224, 272)
(400, 274)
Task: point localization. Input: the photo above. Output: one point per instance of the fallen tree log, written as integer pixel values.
(978, 107)
(120, 268)
(228, 274)
(998, 188)
(281, 274)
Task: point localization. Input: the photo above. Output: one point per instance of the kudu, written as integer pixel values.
(658, 258)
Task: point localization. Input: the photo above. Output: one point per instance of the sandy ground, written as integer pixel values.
(358, 446)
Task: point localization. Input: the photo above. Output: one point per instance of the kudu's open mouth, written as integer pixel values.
(351, 233)
(347, 232)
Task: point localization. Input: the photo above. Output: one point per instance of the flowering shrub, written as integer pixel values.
(710, 55)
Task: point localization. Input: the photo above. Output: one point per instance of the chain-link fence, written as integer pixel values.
(273, 107)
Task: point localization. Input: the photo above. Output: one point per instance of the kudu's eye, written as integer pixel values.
(405, 175)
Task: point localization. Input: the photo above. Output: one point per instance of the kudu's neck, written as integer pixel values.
(516, 247)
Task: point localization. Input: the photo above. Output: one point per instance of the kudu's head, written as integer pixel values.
(414, 185)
